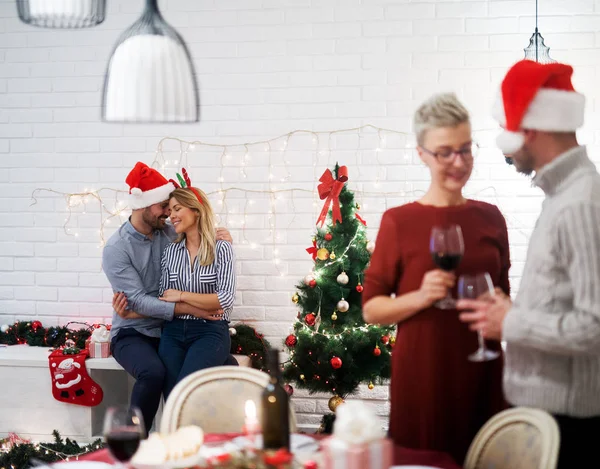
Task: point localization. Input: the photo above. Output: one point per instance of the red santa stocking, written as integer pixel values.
(70, 380)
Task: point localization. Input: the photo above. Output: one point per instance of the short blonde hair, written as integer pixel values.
(440, 110)
(206, 222)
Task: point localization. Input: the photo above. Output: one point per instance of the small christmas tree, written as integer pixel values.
(332, 350)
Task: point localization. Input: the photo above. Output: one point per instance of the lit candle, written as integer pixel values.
(251, 422)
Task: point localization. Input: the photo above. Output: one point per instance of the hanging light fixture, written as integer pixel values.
(150, 76)
(537, 50)
(62, 14)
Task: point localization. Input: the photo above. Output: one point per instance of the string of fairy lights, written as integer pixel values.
(110, 204)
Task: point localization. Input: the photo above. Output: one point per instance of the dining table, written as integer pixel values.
(402, 456)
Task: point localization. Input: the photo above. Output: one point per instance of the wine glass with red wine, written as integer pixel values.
(447, 248)
(123, 430)
(478, 287)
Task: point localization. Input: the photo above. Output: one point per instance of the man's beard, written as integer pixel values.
(155, 222)
(523, 162)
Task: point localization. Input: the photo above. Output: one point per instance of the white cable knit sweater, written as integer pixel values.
(552, 331)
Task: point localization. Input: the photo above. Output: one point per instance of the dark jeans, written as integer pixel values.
(578, 440)
(188, 345)
(138, 354)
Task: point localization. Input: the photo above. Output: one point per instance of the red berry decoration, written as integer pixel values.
(359, 288)
(310, 319)
(312, 283)
(291, 340)
(336, 363)
(289, 389)
(35, 325)
(328, 237)
(385, 339)
(376, 351)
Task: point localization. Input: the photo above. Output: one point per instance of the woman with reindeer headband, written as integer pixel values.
(199, 270)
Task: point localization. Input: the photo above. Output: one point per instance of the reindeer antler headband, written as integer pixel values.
(185, 183)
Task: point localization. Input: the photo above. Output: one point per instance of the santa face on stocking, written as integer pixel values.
(66, 374)
(70, 380)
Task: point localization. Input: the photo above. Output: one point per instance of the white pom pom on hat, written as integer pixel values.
(136, 191)
(510, 142)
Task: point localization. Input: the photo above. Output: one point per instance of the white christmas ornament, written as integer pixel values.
(371, 246)
(309, 278)
(342, 279)
(4, 327)
(343, 306)
(232, 331)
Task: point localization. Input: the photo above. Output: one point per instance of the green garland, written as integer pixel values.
(245, 341)
(21, 454)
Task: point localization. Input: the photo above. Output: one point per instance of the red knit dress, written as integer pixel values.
(439, 399)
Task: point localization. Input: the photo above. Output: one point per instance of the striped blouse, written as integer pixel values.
(218, 277)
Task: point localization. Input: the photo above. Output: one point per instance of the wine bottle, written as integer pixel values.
(275, 408)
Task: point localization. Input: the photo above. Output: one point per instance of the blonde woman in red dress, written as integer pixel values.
(439, 399)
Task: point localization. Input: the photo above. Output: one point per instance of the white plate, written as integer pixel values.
(298, 443)
(81, 465)
(414, 467)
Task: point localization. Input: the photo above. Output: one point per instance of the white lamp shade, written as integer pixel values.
(150, 79)
(62, 13)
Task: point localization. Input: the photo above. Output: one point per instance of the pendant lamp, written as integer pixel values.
(537, 50)
(62, 14)
(150, 75)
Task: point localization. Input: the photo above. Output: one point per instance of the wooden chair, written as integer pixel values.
(520, 438)
(215, 398)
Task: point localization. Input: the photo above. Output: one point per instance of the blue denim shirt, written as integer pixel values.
(131, 261)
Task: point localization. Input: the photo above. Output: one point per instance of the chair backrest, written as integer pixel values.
(215, 399)
(519, 438)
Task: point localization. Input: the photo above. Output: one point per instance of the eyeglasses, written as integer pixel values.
(447, 156)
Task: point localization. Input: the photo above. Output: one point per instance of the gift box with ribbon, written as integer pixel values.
(99, 343)
(358, 441)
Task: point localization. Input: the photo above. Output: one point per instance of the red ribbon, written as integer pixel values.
(330, 190)
(313, 250)
(360, 219)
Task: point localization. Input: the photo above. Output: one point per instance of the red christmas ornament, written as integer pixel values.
(311, 465)
(312, 283)
(328, 237)
(336, 363)
(385, 339)
(310, 319)
(35, 325)
(291, 340)
(359, 288)
(289, 389)
(376, 351)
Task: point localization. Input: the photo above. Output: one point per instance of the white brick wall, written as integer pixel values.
(266, 67)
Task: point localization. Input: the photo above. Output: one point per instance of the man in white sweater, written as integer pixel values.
(552, 330)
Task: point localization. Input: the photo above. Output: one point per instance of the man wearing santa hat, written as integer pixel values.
(131, 260)
(552, 330)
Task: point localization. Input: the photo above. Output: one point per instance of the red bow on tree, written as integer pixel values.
(313, 250)
(330, 190)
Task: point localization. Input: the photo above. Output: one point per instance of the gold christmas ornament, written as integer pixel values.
(302, 377)
(334, 317)
(357, 206)
(343, 279)
(322, 254)
(343, 306)
(371, 246)
(392, 341)
(332, 255)
(371, 386)
(295, 298)
(334, 402)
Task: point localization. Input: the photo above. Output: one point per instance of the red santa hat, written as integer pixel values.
(538, 97)
(147, 186)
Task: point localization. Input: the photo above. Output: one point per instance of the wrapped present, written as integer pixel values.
(99, 343)
(358, 441)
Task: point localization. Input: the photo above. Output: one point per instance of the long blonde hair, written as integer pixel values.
(206, 222)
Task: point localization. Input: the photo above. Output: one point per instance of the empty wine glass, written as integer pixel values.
(447, 248)
(478, 287)
(123, 430)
